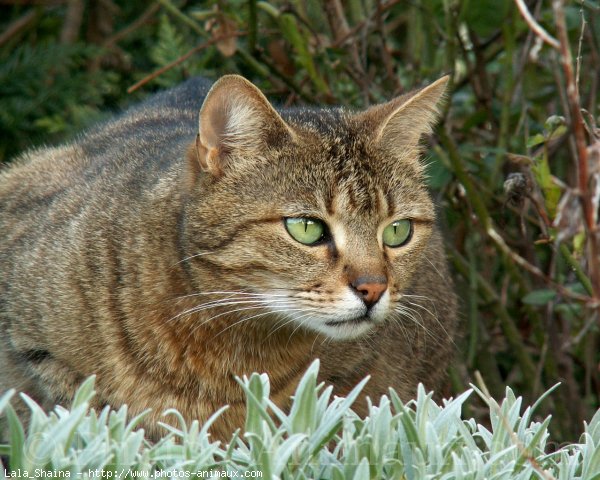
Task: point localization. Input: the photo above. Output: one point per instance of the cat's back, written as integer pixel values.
(131, 150)
(121, 157)
(65, 210)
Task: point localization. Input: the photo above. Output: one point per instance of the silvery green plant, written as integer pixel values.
(319, 437)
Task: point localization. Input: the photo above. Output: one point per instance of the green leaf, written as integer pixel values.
(579, 242)
(539, 297)
(285, 451)
(535, 140)
(553, 122)
(592, 465)
(407, 419)
(61, 433)
(303, 411)
(485, 16)
(552, 193)
(85, 392)
(261, 455)
(289, 28)
(257, 389)
(557, 132)
(5, 399)
(362, 472)
(170, 46)
(16, 437)
(532, 449)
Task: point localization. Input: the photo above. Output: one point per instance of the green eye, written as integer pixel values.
(305, 230)
(397, 233)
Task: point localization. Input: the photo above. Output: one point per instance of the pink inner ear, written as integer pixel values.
(213, 121)
(212, 134)
(400, 123)
(234, 121)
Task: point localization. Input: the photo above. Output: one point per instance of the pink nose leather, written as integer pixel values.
(370, 289)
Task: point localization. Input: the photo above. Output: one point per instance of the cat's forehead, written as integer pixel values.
(332, 166)
(334, 145)
(335, 167)
(328, 122)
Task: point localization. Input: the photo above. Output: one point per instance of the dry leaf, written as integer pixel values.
(226, 29)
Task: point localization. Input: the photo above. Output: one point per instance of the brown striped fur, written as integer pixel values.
(111, 246)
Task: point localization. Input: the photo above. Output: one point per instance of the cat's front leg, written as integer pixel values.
(35, 370)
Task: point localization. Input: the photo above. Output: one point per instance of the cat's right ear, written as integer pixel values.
(237, 123)
(400, 123)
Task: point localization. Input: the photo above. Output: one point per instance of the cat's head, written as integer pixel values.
(320, 216)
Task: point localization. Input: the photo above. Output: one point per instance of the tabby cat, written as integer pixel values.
(168, 258)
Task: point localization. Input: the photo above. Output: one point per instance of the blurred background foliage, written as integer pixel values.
(505, 166)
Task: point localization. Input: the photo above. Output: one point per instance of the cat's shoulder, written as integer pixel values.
(188, 95)
(160, 111)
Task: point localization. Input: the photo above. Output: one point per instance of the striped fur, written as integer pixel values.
(154, 254)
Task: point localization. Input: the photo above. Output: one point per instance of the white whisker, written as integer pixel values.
(281, 325)
(396, 317)
(192, 256)
(433, 315)
(412, 314)
(251, 317)
(224, 303)
(214, 317)
(438, 272)
(231, 294)
(300, 324)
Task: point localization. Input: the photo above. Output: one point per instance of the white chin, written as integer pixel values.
(343, 330)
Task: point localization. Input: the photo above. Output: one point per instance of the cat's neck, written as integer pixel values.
(211, 352)
(198, 344)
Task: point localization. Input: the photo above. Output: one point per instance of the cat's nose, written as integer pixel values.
(369, 288)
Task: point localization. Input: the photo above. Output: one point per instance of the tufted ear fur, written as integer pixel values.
(236, 120)
(400, 123)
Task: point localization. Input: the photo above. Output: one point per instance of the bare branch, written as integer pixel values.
(181, 59)
(578, 128)
(18, 25)
(73, 21)
(536, 27)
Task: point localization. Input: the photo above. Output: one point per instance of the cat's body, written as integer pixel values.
(162, 264)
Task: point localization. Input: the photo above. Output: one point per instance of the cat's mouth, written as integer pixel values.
(347, 328)
(346, 318)
(352, 321)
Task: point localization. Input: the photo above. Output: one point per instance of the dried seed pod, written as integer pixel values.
(517, 188)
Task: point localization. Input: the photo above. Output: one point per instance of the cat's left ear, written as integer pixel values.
(237, 123)
(400, 123)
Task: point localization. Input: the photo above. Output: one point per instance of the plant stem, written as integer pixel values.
(511, 332)
(574, 264)
(183, 17)
(577, 125)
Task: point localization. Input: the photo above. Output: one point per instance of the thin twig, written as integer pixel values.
(73, 20)
(274, 71)
(536, 27)
(338, 42)
(143, 19)
(522, 262)
(181, 59)
(493, 405)
(18, 25)
(577, 125)
(339, 27)
(579, 273)
(174, 10)
(385, 51)
(578, 59)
